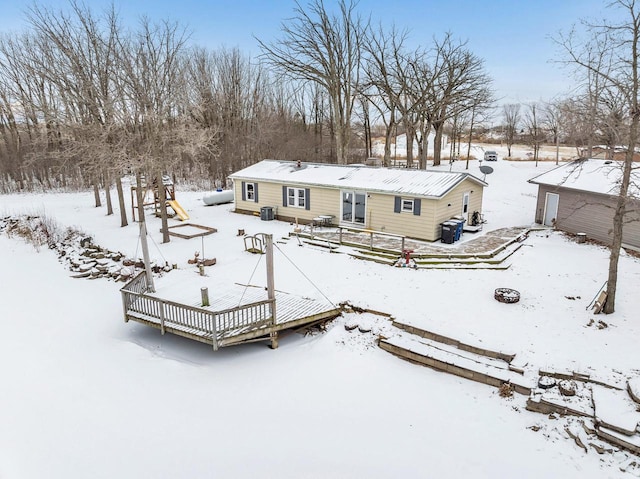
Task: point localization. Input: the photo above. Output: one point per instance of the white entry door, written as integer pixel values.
(465, 207)
(551, 209)
(353, 207)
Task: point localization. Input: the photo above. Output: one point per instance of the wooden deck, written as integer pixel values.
(238, 316)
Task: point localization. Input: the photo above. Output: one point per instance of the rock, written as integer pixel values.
(576, 438)
(567, 388)
(86, 267)
(600, 449)
(81, 275)
(588, 429)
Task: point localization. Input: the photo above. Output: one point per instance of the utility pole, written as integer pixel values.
(271, 290)
(143, 234)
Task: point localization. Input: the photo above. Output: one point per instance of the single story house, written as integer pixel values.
(581, 196)
(412, 203)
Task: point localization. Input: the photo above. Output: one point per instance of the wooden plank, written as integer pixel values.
(599, 304)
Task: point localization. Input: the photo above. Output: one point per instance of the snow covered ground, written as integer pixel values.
(85, 395)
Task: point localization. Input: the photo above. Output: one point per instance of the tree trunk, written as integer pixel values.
(107, 191)
(96, 194)
(387, 146)
(341, 157)
(473, 117)
(437, 143)
(123, 211)
(387, 139)
(618, 217)
(410, 134)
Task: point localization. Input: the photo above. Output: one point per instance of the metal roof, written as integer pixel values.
(426, 183)
(592, 175)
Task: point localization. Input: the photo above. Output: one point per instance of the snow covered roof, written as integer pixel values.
(592, 175)
(434, 184)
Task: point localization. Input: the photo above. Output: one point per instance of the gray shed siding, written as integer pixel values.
(590, 213)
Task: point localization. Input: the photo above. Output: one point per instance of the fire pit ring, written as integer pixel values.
(507, 295)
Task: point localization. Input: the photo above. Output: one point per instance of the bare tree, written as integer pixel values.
(382, 83)
(154, 86)
(535, 132)
(511, 116)
(459, 77)
(325, 49)
(552, 120)
(610, 56)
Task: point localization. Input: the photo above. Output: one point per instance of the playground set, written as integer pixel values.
(151, 196)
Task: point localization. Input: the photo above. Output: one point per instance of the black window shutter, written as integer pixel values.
(307, 201)
(416, 206)
(244, 191)
(284, 196)
(255, 192)
(397, 207)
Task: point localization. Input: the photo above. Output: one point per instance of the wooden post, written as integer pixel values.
(271, 290)
(214, 330)
(125, 305)
(340, 239)
(161, 318)
(143, 234)
(371, 241)
(204, 292)
(274, 340)
(402, 249)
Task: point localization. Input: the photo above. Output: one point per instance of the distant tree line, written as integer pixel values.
(84, 100)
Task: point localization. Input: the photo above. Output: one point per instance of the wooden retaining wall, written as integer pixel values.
(449, 368)
(454, 342)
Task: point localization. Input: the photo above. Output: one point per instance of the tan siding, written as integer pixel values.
(322, 201)
(454, 198)
(380, 213)
(381, 217)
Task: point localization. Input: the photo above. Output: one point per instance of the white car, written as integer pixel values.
(490, 155)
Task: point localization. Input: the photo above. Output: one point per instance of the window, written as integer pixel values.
(249, 191)
(296, 197)
(407, 205)
(250, 194)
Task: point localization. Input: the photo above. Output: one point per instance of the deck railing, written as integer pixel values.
(213, 325)
(371, 234)
(248, 316)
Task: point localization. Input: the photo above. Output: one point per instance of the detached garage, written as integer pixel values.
(411, 203)
(580, 197)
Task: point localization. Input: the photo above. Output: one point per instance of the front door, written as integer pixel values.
(551, 209)
(465, 207)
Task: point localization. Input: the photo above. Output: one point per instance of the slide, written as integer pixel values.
(180, 212)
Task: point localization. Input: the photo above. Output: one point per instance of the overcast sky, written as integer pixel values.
(512, 36)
